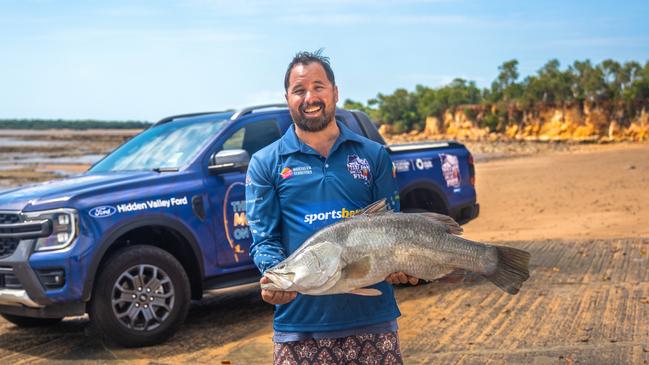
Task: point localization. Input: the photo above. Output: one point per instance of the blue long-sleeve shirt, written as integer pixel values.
(291, 192)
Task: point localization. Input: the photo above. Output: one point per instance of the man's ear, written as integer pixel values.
(336, 94)
(286, 97)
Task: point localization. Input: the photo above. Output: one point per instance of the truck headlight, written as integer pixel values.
(64, 231)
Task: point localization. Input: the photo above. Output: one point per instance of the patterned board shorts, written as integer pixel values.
(374, 349)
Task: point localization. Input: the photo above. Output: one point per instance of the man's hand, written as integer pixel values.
(401, 278)
(275, 296)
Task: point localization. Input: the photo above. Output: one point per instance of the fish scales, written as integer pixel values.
(405, 242)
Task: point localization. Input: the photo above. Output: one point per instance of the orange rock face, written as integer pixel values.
(546, 124)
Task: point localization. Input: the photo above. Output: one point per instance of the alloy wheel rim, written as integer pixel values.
(142, 297)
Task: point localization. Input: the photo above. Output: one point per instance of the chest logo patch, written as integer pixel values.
(295, 171)
(286, 173)
(359, 168)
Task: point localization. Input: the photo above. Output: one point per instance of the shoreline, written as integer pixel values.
(28, 156)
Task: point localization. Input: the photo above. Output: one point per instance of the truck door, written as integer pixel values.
(226, 192)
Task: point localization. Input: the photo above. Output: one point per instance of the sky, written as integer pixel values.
(148, 59)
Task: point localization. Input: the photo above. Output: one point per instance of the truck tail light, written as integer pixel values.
(471, 170)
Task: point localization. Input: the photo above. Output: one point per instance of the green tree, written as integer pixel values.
(504, 88)
(612, 78)
(638, 91)
(553, 84)
(587, 82)
(399, 110)
(367, 109)
(630, 73)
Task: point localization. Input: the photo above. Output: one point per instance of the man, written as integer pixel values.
(320, 166)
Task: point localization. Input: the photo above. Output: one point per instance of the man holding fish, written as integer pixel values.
(318, 173)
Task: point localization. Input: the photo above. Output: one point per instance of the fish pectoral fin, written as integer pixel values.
(367, 292)
(357, 269)
(379, 206)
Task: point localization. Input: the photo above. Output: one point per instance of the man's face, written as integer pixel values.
(311, 97)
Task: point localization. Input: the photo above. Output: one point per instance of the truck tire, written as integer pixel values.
(21, 321)
(141, 296)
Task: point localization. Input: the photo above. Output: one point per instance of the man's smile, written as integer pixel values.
(313, 108)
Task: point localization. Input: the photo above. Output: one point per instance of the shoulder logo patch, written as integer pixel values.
(359, 168)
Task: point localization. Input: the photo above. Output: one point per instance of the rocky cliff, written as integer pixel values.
(571, 123)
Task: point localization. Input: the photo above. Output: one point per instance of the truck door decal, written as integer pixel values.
(450, 169)
(238, 230)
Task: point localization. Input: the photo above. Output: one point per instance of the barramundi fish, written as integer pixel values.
(352, 254)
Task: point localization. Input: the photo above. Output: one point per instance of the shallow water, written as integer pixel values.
(13, 161)
(16, 142)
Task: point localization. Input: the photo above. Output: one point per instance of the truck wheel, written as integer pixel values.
(141, 296)
(21, 321)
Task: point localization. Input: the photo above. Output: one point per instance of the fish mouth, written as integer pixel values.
(282, 281)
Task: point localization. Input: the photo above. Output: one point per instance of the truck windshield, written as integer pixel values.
(167, 146)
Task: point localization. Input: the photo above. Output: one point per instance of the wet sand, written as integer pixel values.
(41, 155)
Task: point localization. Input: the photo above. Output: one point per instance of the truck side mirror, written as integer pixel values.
(229, 161)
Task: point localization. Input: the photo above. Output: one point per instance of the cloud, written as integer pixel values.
(327, 12)
(342, 19)
(131, 10)
(599, 42)
(436, 80)
(288, 4)
(145, 35)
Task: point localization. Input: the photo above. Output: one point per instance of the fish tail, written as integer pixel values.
(512, 269)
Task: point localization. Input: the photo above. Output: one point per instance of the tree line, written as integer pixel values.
(622, 89)
(70, 124)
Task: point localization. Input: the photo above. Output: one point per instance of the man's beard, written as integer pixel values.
(312, 124)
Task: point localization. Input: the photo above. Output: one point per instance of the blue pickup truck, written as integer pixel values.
(161, 221)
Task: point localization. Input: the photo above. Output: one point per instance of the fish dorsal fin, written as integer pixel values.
(379, 206)
(366, 292)
(449, 223)
(358, 269)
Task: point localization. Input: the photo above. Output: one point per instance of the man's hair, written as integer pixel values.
(305, 58)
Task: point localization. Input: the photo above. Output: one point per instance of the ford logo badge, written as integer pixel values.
(102, 212)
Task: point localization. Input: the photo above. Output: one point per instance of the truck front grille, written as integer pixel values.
(8, 218)
(13, 228)
(8, 246)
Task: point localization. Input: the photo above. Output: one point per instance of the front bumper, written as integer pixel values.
(29, 291)
(17, 297)
(32, 299)
(23, 288)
